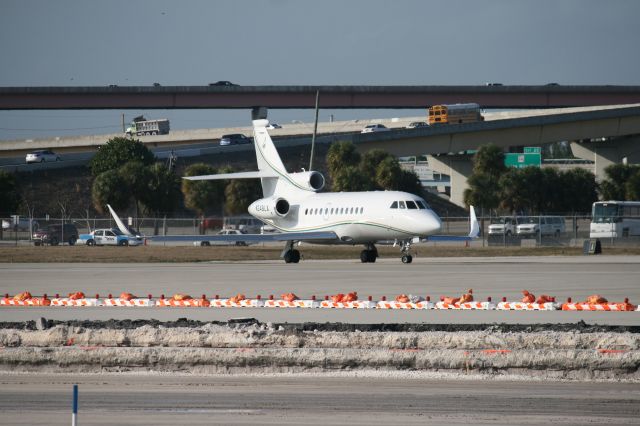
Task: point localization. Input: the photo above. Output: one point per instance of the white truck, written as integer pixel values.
(141, 127)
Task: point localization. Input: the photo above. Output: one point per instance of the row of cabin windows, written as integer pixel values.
(412, 205)
(334, 210)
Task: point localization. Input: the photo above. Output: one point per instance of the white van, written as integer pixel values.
(505, 225)
(544, 225)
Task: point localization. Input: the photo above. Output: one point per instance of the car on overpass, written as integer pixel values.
(372, 128)
(417, 125)
(41, 156)
(234, 139)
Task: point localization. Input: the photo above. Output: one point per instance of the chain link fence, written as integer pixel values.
(569, 231)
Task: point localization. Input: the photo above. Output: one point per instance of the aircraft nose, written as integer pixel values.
(429, 224)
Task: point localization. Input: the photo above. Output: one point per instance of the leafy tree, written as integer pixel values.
(632, 187)
(409, 182)
(489, 160)
(340, 155)
(118, 151)
(579, 191)
(239, 194)
(108, 189)
(387, 174)
(369, 164)
(350, 178)
(163, 190)
(202, 195)
(9, 194)
(136, 177)
(521, 190)
(614, 187)
(488, 168)
(482, 191)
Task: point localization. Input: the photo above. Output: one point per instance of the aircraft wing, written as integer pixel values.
(252, 238)
(237, 175)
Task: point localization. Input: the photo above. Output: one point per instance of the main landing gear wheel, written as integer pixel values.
(407, 258)
(368, 256)
(292, 256)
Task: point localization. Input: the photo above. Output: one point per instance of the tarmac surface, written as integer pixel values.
(403, 399)
(614, 277)
(351, 397)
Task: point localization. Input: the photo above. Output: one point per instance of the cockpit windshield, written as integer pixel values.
(410, 204)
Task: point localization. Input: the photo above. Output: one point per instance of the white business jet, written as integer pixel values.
(293, 205)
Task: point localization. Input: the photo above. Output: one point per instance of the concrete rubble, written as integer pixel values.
(211, 348)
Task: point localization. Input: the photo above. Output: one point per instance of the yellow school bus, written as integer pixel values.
(454, 114)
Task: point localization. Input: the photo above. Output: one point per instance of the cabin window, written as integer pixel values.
(361, 210)
(421, 204)
(411, 205)
(326, 210)
(306, 211)
(402, 205)
(394, 205)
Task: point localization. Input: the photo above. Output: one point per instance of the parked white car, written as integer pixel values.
(41, 156)
(505, 225)
(109, 237)
(372, 128)
(543, 225)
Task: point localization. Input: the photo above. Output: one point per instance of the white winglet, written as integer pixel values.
(474, 226)
(121, 226)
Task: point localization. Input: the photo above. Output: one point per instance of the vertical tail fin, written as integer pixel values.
(269, 161)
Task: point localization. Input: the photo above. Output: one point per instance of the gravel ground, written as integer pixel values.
(577, 352)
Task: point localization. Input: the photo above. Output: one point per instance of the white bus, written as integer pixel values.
(613, 219)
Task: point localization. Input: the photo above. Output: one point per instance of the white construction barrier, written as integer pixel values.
(466, 305)
(291, 304)
(521, 306)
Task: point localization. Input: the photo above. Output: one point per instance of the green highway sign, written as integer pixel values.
(521, 160)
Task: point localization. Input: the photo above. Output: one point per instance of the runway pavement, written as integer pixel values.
(614, 277)
(387, 398)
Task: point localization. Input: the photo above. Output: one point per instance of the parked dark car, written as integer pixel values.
(56, 234)
(234, 139)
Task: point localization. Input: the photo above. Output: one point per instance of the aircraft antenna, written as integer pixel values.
(315, 130)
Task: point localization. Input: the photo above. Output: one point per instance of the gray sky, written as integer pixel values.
(251, 42)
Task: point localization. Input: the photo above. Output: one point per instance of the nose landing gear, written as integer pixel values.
(406, 255)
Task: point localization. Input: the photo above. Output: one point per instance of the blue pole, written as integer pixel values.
(74, 416)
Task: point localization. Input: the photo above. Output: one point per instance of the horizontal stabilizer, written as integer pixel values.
(238, 175)
(252, 238)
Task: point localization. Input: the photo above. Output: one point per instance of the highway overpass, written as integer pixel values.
(605, 135)
(224, 97)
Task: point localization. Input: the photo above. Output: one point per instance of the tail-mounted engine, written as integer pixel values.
(270, 208)
(311, 181)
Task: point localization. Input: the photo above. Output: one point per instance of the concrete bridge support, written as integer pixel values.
(610, 151)
(459, 167)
